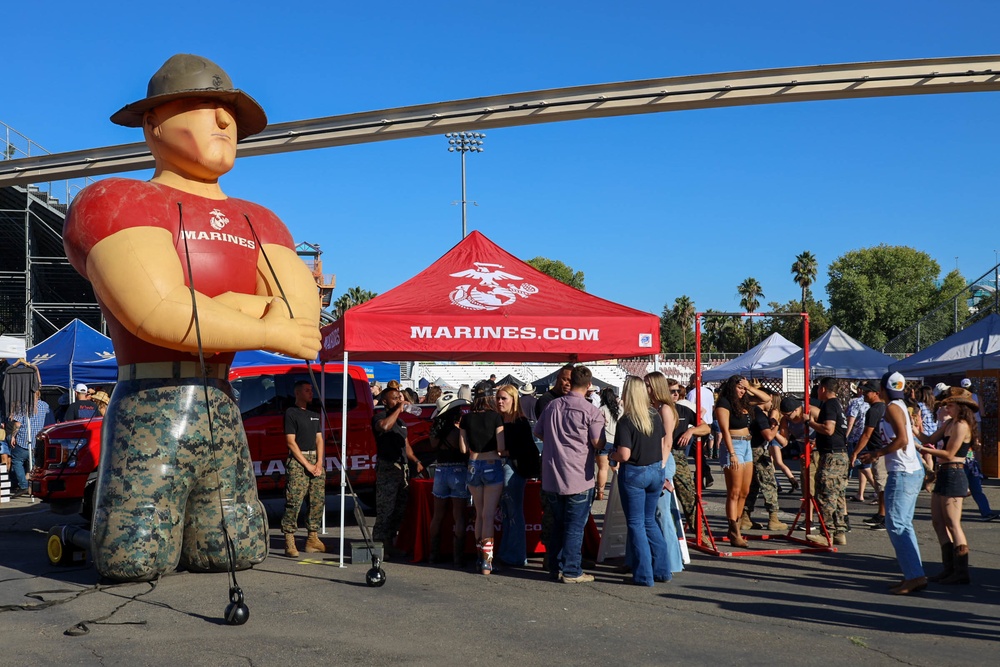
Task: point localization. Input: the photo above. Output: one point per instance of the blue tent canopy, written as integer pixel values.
(975, 348)
(772, 349)
(837, 354)
(377, 371)
(76, 353)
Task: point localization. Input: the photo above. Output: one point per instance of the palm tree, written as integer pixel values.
(352, 297)
(804, 272)
(751, 293)
(684, 314)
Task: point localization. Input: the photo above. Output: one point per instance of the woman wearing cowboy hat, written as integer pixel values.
(951, 486)
(449, 476)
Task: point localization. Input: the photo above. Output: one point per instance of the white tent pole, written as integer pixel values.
(322, 428)
(343, 458)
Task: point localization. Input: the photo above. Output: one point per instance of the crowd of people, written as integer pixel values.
(18, 429)
(487, 438)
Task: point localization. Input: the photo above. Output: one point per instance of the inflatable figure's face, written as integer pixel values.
(194, 136)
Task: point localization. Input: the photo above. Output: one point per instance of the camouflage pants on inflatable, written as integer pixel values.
(298, 484)
(166, 491)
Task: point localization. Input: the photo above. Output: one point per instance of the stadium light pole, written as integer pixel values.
(464, 142)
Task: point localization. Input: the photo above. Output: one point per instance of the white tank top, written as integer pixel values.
(905, 459)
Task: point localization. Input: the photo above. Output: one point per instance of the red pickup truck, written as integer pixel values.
(66, 454)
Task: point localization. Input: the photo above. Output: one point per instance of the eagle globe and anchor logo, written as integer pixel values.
(489, 294)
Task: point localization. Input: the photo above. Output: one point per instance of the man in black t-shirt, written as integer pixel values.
(82, 407)
(871, 440)
(305, 471)
(560, 388)
(831, 475)
(391, 470)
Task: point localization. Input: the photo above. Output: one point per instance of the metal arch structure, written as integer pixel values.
(808, 504)
(966, 74)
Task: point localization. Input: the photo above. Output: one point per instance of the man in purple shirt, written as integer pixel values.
(571, 428)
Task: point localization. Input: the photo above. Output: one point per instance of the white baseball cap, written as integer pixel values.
(966, 383)
(81, 389)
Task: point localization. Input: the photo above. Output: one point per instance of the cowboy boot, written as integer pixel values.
(735, 538)
(947, 562)
(290, 549)
(774, 523)
(313, 544)
(961, 573)
(486, 566)
(458, 550)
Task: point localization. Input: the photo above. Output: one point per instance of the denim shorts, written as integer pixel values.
(485, 473)
(951, 481)
(743, 453)
(450, 481)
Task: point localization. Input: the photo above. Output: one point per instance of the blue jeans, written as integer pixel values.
(640, 488)
(569, 518)
(976, 488)
(513, 547)
(19, 462)
(901, 492)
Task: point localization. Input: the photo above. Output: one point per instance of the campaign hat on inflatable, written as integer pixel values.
(186, 75)
(961, 396)
(447, 401)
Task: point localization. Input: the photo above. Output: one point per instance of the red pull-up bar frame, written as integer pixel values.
(808, 501)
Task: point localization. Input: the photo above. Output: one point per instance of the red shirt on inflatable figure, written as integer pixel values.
(222, 246)
(170, 453)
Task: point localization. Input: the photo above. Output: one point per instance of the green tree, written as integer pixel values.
(875, 293)
(671, 334)
(804, 274)
(355, 296)
(791, 327)
(558, 270)
(751, 293)
(722, 333)
(683, 312)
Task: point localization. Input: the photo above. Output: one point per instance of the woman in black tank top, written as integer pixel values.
(957, 433)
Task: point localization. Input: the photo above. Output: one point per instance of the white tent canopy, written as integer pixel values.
(11, 347)
(974, 348)
(838, 355)
(772, 349)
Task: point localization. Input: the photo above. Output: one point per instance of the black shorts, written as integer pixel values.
(951, 482)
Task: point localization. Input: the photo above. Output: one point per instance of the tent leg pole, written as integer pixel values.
(343, 457)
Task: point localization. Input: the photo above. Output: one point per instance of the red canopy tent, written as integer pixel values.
(479, 302)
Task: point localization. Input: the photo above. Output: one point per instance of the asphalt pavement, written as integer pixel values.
(804, 609)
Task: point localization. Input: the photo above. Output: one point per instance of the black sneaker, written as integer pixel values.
(874, 519)
(877, 526)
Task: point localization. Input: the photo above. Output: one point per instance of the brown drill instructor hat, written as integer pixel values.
(186, 75)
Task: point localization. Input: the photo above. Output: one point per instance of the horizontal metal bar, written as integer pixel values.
(793, 84)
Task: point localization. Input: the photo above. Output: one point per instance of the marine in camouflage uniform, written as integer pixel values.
(162, 491)
(298, 483)
(684, 485)
(831, 490)
(763, 483)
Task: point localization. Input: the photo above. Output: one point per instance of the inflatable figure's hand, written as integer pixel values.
(297, 337)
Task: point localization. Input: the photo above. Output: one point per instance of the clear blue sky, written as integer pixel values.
(649, 207)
